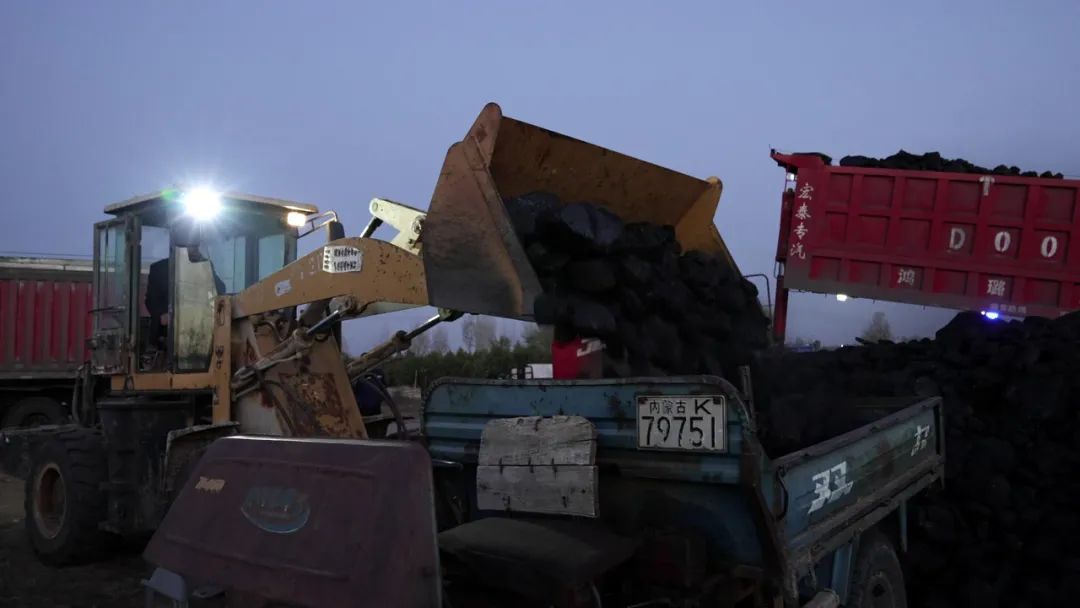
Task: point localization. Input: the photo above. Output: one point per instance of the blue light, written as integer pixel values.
(990, 315)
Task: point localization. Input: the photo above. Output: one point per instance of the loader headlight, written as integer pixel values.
(201, 203)
(296, 219)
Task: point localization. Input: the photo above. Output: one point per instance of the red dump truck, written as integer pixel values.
(44, 324)
(993, 243)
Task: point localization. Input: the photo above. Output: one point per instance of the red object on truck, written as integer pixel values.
(577, 359)
(952, 240)
(45, 322)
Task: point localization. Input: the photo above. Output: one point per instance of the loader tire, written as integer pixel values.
(65, 501)
(877, 580)
(34, 411)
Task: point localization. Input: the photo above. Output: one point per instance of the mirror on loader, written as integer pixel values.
(468, 238)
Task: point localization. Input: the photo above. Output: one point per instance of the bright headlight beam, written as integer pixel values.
(840, 297)
(296, 219)
(201, 203)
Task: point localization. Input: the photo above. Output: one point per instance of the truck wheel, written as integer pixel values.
(64, 500)
(34, 411)
(877, 580)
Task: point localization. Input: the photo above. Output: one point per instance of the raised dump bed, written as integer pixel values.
(956, 240)
(682, 473)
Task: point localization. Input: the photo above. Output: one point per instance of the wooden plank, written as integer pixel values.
(536, 440)
(559, 490)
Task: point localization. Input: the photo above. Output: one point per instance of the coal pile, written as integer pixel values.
(934, 161)
(658, 310)
(1005, 530)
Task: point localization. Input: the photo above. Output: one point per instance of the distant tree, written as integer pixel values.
(495, 361)
(468, 333)
(485, 332)
(538, 337)
(440, 342)
(878, 329)
(421, 345)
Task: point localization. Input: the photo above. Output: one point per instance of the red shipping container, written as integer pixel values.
(44, 317)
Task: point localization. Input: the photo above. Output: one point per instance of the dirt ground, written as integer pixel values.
(24, 581)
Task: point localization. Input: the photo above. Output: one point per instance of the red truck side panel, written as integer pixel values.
(44, 323)
(951, 240)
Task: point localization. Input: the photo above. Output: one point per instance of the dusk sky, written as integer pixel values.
(334, 103)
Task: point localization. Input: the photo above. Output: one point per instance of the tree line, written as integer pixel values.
(484, 354)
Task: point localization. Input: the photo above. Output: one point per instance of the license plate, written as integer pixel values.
(678, 422)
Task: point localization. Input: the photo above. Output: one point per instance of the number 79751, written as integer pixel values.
(687, 431)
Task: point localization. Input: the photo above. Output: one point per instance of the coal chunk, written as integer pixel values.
(584, 228)
(635, 272)
(545, 259)
(529, 213)
(644, 239)
(593, 275)
(591, 318)
(552, 309)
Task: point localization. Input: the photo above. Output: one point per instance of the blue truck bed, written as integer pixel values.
(794, 520)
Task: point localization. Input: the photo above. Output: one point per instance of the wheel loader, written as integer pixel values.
(245, 366)
(196, 335)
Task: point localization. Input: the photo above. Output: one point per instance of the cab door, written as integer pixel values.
(112, 310)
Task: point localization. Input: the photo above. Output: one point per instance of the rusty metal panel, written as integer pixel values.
(44, 317)
(307, 522)
(307, 397)
(468, 239)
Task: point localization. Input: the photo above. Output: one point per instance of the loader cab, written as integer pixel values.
(161, 262)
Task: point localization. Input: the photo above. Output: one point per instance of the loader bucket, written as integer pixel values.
(473, 260)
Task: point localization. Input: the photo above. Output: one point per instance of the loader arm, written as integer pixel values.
(364, 269)
(290, 379)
